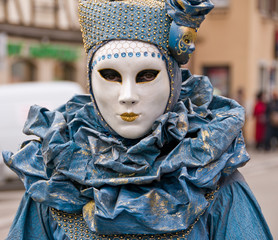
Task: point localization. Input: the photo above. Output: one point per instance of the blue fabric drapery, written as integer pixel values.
(152, 185)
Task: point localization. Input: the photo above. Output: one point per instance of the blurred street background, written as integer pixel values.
(237, 48)
(42, 61)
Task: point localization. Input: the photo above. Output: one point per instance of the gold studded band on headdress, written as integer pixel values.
(144, 20)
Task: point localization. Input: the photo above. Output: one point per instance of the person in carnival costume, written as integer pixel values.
(150, 153)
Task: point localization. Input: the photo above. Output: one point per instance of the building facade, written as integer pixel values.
(40, 40)
(237, 48)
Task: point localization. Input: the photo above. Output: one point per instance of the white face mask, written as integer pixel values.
(131, 86)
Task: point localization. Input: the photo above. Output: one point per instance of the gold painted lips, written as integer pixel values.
(129, 117)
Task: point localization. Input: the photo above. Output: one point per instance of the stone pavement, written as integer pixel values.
(261, 173)
(9, 201)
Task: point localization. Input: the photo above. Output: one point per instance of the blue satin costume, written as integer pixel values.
(180, 180)
(83, 181)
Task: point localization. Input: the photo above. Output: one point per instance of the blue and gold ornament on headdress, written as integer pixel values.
(171, 25)
(187, 17)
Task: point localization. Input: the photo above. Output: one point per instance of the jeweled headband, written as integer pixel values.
(126, 49)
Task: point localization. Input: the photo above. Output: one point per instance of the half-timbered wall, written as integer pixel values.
(59, 14)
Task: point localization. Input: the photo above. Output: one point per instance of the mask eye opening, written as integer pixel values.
(147, 75)
(110, 75)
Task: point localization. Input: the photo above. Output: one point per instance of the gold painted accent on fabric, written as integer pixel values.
(157, 204)
(182, 125)
(124, 175)
(59, 125)
(88, 212)
(120, 181)
(61, 197)
(84, 152)
(181, 3)
(205, 135)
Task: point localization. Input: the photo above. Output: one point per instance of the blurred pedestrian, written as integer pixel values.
(272, 120)
(240, 98)
(260, 116)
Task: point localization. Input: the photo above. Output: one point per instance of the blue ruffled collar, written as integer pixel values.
(156, 184)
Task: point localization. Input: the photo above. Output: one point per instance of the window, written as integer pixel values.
(3, 49)
(272, 77)
(276, 44)
(265, 6)
(268, 7)
(23, 71)
(65, 71)
(219, 77)
(44, 13)
(268, 76)
(275, 7)
(221, 3)
(263, 77)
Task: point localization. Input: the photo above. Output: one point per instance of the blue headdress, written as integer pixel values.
(160, 22)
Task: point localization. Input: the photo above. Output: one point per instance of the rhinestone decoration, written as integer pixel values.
(124, 49)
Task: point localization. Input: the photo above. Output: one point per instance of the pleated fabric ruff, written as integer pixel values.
(154, 185)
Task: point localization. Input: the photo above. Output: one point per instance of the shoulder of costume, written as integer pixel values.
(75, 103)
(199, 86)
(40, 119)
